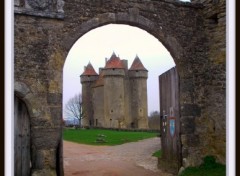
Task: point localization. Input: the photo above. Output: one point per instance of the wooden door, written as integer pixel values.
(170, 120)
(21, 139)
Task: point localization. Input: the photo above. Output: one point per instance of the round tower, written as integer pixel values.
(88, 78)
(113, 75)
(138, 75)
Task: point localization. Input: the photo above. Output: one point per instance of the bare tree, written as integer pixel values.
(155, 114)
(154, 120)
(74, 109)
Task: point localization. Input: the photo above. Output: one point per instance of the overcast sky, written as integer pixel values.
(127, 42)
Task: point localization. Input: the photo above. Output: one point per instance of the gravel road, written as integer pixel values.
(130, 159)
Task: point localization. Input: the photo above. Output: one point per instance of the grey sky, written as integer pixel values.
(127, 42)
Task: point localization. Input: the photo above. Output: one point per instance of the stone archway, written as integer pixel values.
(22, 134)
(133, 18)
(39, 149)
(139, 21)
(22, 154)
(189, 31)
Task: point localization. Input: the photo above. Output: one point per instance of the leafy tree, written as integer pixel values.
(73, 108)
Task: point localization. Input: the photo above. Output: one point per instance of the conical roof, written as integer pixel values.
(89, 71)
(137, 65)
(114, 62)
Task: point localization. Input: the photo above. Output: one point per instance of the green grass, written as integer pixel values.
(157, 154)
(104, 137)
(208, 168)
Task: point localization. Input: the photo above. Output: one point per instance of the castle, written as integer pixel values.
(117, 97)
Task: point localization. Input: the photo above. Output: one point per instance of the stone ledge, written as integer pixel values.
(56, 15)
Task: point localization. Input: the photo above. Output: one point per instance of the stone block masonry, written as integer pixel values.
(194, 34)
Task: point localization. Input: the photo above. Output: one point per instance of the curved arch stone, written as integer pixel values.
(104, 19)
(21, 89)
(23, 92)
(133, 19)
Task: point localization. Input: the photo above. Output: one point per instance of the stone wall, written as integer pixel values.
(193, 33)
(38, 64)
(98, 106)
(114, 100)
(211, 127)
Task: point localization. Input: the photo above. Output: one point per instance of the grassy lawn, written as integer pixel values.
(104, 137)
(208, 168)
(157, 154)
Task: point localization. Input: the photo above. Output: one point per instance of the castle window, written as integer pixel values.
(111, 112)
(132, 125)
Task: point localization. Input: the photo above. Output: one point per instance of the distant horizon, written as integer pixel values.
(99, 44)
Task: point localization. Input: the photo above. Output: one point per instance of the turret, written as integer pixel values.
(137, 70)
(113, 75)
(114, 67)
(89, 74)
(138, 75)
(88, 78)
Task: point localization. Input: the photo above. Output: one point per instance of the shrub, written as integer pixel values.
(157, 154)
(209, 168)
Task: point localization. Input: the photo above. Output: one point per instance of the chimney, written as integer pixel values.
(125, 63)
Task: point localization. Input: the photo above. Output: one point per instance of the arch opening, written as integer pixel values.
(22, 138)
(91, 48)
(133, 124)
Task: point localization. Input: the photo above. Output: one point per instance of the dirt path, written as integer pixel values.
(130, 159)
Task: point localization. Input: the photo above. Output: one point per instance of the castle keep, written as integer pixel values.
(117, 97)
